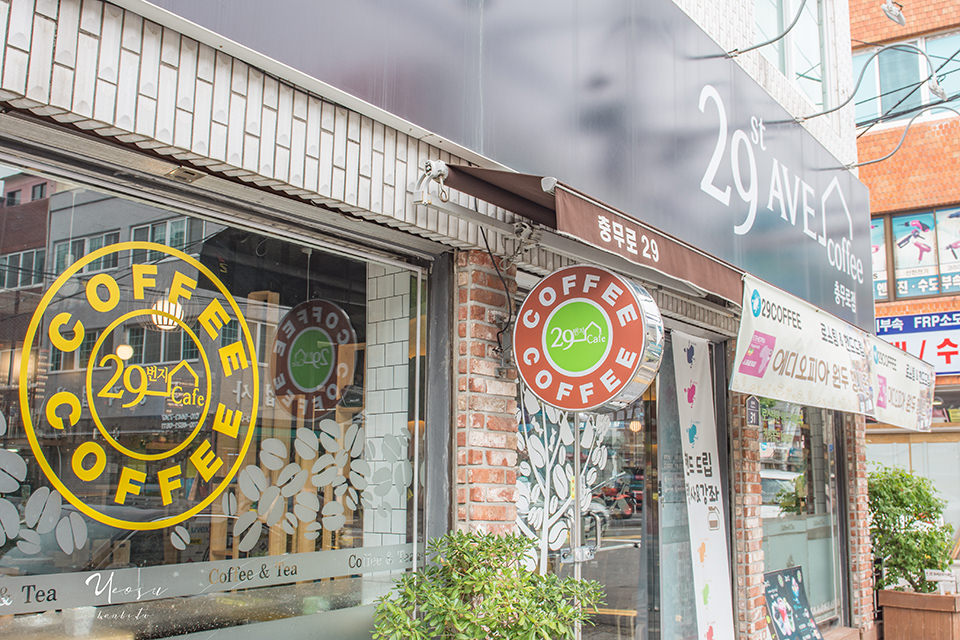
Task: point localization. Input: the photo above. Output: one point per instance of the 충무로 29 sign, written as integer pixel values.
(585, 338)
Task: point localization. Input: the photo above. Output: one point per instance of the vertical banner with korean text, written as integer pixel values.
(701, 472)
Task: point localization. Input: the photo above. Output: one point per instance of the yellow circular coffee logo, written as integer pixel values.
(153, 385)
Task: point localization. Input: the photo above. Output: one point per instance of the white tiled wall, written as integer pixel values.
(387, 393)
(108, 70)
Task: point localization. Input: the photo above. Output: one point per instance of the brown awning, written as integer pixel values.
(577, 215)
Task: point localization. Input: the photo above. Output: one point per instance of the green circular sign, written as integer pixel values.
(577, 337)
(311, 358)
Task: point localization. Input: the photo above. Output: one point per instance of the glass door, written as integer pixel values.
(602, 535)
(618, 522)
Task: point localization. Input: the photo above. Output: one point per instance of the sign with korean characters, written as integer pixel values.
(703, 487)
(88, 320)
(932, 337)
(789, 350)
(903, 387)
(585, 338)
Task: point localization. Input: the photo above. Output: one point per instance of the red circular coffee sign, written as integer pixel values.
(586, 338)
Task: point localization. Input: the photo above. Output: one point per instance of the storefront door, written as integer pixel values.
(630, 529)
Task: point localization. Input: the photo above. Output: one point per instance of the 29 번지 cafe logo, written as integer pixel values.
(119, 394)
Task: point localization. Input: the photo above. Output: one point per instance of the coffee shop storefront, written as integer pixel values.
(256, 346)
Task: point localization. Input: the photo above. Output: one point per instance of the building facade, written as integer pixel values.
(916, 295)
(268, 352)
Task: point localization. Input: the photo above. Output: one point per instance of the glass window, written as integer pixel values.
(900, 79)
(807, 52)
(38, 191)
(23, 269)
(26, 269)
(768, 24)
(135, 340)
(938, 462)
(866, 99)
(800, 499)
(82, 246)
(275, 426)
(915, 255)
(13, 271)
(944, 53)
(13, 198)
(799, 54)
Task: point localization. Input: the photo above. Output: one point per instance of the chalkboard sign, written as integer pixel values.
(788, 611)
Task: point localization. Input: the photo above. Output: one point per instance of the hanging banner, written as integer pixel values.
(789, 350)
(701, 473)
(903, 387)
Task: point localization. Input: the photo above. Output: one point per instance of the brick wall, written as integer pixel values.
(486, 401)
(921, 174)
(942, 304)
(861, 556)
(748, 533)
(869, 24)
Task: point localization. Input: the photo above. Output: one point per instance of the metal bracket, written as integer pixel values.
(585, 553)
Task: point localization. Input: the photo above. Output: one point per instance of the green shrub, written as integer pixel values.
(476, 586)
(906, 525)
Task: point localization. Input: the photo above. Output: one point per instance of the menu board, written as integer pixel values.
(878, 251)
(788, 611)
(915, 255)
(948, 241)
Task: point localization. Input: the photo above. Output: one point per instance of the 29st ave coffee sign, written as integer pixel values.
(585, 338)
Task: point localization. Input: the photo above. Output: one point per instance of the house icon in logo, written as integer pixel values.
(592, 330)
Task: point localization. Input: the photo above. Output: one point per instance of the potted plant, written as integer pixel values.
(478, 586)
(909, 536)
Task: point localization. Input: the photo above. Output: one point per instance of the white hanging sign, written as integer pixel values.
(701, 473)
(789, 350)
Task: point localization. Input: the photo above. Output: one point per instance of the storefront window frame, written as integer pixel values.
(418, 264)
(841, 525)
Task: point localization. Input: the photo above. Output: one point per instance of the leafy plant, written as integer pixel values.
(906, 524)
(477, 586)
(793, 500)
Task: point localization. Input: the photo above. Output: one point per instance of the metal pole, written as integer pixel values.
(575, 540)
